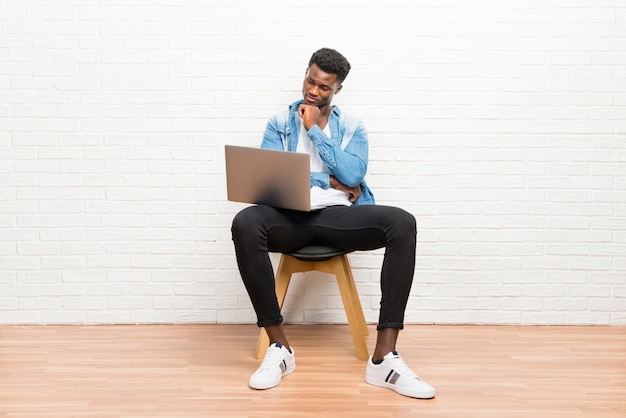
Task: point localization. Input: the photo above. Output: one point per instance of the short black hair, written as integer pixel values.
(331, 62)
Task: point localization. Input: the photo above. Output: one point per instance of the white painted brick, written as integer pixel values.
(127, 276)
(39, 303)
(151, 316)
(152, 262)
(82, 248)
(104, 317)
(9, 305)
(63, 317)
(22, 317)
(34, 249)
(509, 150)
(241, 316)
(566, 304)
(612, 305)
(112, 262)
(131, 303)
(588, 318)
(543, 318)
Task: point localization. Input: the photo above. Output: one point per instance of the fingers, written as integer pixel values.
(355, 193)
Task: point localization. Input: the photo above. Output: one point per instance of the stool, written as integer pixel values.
(327, 260)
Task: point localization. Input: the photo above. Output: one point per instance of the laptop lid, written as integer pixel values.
(269, 177)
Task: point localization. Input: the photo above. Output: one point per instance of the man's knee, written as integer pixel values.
(245, 221)
(404, 221)
(411, 223)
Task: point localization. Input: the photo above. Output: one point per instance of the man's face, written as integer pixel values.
(319, 87)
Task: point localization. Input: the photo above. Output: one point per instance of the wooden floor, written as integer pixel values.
(185, 371)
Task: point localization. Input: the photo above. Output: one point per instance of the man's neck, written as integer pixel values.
(325, 111)
(325, 114)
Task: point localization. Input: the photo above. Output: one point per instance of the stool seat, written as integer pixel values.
(325, 259)
(317, 253)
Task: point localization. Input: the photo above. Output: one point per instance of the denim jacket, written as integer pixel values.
(344, 153)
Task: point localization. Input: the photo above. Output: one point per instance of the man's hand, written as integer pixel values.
(353, 192)
(310, 115)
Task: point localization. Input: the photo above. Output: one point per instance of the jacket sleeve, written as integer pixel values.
(273, 137)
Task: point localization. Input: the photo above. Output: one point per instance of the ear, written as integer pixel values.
(338, 89)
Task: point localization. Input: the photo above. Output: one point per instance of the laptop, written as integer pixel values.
(268, 177)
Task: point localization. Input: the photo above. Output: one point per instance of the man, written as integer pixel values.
(343, 215)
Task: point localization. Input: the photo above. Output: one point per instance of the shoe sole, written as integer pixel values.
(400, 390)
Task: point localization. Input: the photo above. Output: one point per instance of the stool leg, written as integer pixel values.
(355, 295)
(262, 343)
(350, 304)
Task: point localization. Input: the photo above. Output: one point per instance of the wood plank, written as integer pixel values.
(125, 371)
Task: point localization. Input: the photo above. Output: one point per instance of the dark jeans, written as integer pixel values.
(260, 229)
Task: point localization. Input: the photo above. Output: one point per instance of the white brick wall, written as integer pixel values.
(500, 124)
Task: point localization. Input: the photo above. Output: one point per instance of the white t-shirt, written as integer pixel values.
(320, 198)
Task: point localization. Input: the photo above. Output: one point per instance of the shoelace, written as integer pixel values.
(273, 358)
(397, 364)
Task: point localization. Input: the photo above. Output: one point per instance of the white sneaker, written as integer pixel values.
(278, 362)
(393, 373)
